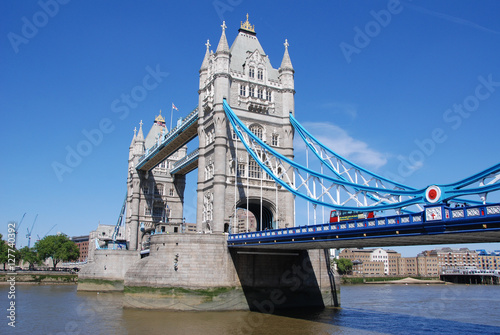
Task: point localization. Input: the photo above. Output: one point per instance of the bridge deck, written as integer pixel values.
(436, 225)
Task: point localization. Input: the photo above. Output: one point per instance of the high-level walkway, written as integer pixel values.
(185, 131)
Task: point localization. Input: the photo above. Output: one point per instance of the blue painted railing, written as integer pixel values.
(433, 219)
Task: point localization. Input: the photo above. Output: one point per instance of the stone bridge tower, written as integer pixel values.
(154, 198)
(262, 97)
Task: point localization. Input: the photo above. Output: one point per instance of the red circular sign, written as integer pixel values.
(432, 194)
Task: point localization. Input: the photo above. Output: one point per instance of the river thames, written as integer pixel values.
(366, 309)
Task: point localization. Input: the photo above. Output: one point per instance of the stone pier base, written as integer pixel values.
(107, 270)
(199, 272)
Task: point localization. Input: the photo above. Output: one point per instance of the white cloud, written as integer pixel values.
(341, 108)
(339, 141)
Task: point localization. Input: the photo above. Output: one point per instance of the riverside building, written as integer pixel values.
(429, 263)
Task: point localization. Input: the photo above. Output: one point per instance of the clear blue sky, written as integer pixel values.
(372, 95)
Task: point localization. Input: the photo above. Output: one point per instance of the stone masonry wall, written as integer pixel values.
(202, 262)
(109, 264)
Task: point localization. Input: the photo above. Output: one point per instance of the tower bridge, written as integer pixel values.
(245, 123)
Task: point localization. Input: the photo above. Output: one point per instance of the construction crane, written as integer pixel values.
(17, 230)
(47, 233)
(28, 235)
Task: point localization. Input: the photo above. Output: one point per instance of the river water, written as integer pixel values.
(366, 309)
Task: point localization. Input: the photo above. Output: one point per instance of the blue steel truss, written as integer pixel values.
(351, 187)
(344, 169)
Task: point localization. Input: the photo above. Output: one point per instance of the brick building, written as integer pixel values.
(372, 262)
(82, 242)
(429, 263)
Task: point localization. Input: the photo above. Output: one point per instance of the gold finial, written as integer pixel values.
(247, 26)
(160, 118)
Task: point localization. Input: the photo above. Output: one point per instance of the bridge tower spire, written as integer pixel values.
(228, 179)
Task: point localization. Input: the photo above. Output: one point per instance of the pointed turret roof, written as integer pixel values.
(140, 135)
(204, 64)
(246, 43)
(223, 46)
(286, 63)
(133, 138)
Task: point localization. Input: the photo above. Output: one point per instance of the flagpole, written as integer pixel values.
(171, 116)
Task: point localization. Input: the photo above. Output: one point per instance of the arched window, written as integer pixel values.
(268, 95)
(260, 74)
(257, 130)
(254, 170)
(259, 93)
(275, 140)
(159, 189)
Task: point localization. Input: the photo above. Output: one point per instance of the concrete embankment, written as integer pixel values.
(39, 277)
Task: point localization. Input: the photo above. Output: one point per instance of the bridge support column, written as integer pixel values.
(280, 279)
(134, 218)
(220, 163)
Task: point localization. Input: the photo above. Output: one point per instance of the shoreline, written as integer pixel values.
(409, 280)
(395, 280)
(39, 278)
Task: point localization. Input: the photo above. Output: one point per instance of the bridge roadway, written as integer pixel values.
(184, 132)
(437, 224)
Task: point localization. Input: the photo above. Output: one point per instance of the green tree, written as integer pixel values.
(344, 265)
(58, 247)
(4, 252)
(30, 256)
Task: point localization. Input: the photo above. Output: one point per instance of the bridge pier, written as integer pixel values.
(273, 280)
(199, 272)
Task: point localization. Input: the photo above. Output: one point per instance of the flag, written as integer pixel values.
(173, 107)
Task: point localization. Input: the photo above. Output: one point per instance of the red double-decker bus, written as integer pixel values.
(337, 216)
